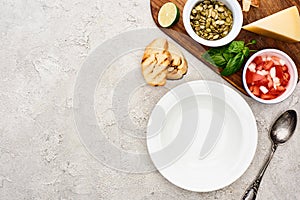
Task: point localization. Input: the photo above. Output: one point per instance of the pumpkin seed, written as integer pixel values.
(206, 12)
(217, 16)
(216, 37)
(210, 12)
(222, 22)
(213, 14)
(211, 19)
(221, 9)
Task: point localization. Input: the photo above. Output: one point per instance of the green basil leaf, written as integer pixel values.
(216, 59)
(246, 51)
(217, 50)
(228, 55)
(236, 46)
(233, 65)
(219, 60)
(214, 56)
(207, 57)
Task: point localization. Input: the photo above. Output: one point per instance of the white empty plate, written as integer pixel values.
(179, 125)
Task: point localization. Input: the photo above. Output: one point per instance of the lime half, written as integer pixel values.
(168, 15)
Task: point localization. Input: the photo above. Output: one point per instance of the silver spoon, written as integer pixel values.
(282, 130)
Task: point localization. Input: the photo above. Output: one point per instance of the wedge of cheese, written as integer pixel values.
(283, 25)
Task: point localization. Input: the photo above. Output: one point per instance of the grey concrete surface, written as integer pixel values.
(43, 46)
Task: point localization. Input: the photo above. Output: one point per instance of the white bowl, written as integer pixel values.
(237, 13)
(291, 68)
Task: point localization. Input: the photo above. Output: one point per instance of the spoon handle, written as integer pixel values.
(251, 191)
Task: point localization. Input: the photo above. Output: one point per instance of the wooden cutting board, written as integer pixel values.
(267, 7)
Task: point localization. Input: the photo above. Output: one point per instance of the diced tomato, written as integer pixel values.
(263, 82)
(256, 91)
(284, 82)
(280, 88)
(260, 66)
(270, 81)
(268, 65)
(275, 58)
(267, 96)
(251, 88)
(252, 77)
(279, 71)
(286, 76)
(275, 92)
(258, 60)
(284, 68)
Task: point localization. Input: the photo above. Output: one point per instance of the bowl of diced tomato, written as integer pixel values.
(270, 76)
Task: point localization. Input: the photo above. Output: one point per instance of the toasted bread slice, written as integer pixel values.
(177, 73)
(162, 60)
(178, 63)
(156, 46)
(155, 61)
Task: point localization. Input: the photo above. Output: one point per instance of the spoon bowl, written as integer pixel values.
(284, 127)
(281, 131)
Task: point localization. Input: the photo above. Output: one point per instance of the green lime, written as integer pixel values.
(168, 15)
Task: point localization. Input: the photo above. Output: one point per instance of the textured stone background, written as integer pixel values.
(43, 45)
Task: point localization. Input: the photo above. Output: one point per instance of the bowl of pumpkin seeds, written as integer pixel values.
(213, 23)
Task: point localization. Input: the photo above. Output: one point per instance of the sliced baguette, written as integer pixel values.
(155, 61)
(178, 63)
(162, 60)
